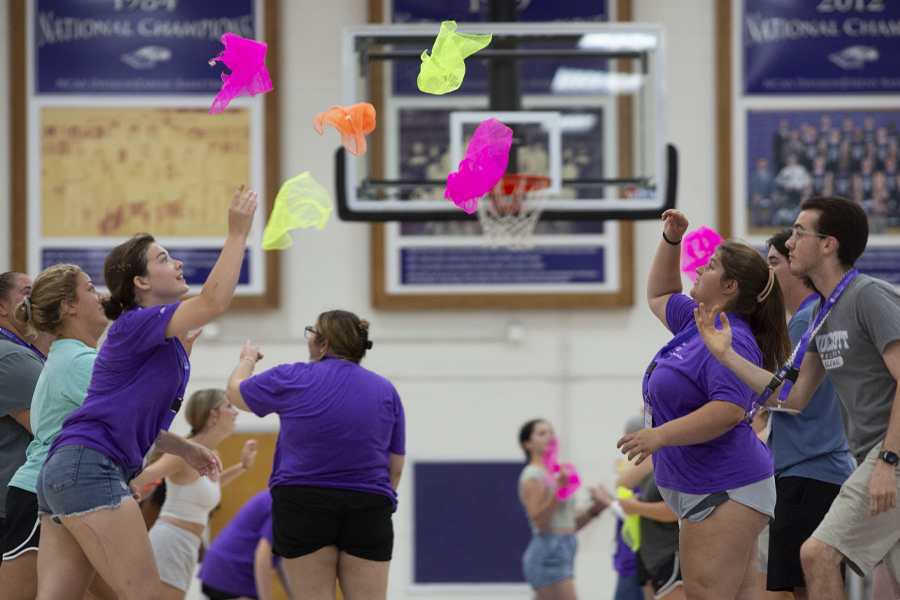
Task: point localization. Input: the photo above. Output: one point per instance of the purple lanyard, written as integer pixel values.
(789, 372)
(17, 340)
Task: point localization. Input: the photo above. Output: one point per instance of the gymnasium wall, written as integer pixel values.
(466, 387)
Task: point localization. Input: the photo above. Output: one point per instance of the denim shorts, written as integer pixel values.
(549, 558)
(76, 480)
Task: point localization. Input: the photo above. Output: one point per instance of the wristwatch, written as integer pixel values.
(889, 457)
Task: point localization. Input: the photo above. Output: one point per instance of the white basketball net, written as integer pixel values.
(510, 212)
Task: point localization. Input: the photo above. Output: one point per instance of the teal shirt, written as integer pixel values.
(61, 388)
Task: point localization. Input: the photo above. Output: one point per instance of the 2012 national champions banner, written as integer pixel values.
(821, 47)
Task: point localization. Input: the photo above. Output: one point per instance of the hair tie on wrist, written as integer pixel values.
(670, 242)
(27, 302)
(769, 286)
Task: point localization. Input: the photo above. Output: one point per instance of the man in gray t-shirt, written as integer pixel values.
(859, 348)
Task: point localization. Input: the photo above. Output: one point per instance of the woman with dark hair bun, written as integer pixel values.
(339, 457)
(136, 388)
(549, 559)
(710, 467)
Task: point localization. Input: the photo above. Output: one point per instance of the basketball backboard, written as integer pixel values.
(585, 101)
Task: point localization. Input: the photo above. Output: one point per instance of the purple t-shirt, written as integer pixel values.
(685, 380)
(228, 563)
(339, 424)
(137, 376)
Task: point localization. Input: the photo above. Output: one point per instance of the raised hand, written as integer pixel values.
(717, 341)
(251, 351)
(248, 454)
(676, 224)
(240, 213)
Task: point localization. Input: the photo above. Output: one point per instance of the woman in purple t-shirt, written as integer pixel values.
(711, 468)
(338, 459)
(138, 381)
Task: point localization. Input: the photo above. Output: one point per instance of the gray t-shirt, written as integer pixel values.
(564, 517)
(20, 368)
(864, 321)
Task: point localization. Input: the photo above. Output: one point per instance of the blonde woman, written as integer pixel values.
(62, 303)
(176, 534)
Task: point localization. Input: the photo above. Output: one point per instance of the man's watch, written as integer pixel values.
(889, 457)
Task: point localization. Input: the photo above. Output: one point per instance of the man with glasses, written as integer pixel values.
(858, 346)
(812, 459)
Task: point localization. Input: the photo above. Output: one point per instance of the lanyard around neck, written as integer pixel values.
(789, 371)
(17, 340)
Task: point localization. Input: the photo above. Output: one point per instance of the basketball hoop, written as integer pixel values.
(507, 220)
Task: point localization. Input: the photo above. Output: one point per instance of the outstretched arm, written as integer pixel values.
(718, 341)
(218, 290)
(199, 458)
(665, 272)
(167, 464)
(706, 423)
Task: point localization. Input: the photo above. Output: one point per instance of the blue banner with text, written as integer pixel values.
(821, 46)
(134, 46)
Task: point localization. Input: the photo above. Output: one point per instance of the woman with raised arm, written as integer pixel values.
(136, 388)
(549, 559)
(711, 469)
(176, 534)
(62, 304)
(339, 457)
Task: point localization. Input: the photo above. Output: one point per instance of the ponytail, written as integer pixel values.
(759, 298)
(122, 265)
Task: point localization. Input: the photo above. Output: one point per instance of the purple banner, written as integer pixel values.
(134, 46)
(821, 46)
(486, 266)
(198, 262)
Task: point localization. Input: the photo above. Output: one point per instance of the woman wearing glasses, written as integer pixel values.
(711, 468)
(338, 459)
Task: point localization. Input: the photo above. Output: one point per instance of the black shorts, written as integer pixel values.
(664, 579)
(800, 506)
(307, 518)
(214, 594)
(22, 526)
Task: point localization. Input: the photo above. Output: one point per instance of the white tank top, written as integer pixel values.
(191, 502)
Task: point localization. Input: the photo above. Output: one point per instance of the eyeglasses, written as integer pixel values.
(309, 330)
(800, 232)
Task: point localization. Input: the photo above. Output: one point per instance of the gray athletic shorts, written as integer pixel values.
(176, 551)
(759, 496)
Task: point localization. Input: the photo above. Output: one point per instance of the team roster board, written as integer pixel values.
(814, 111)
(120, 140)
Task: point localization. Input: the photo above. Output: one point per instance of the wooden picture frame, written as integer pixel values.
(19, 106)
(624, 296)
